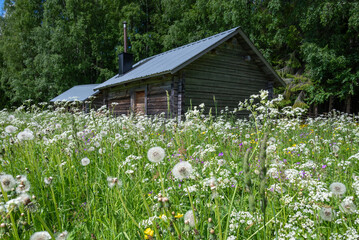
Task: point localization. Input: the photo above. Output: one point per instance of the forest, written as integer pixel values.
(48, 46)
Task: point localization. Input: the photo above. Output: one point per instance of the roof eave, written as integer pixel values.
(132, 80)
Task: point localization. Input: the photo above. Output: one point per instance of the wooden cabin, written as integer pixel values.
(226, 67)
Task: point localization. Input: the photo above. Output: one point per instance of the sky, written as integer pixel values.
(1, 6)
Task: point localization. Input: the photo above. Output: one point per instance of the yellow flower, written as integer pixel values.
(179, 215)
(148, 232)
(163, 216)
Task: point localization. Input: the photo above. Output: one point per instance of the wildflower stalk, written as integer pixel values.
(126, 210)
(56, 210)
(13, 224)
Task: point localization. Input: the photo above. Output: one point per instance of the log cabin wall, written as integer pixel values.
(147, 96)
(226, 74)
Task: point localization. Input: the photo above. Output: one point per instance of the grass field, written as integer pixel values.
(95, 176)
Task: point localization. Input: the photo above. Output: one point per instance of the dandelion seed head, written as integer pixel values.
(112, 182)
(7, 182)
(23, 184)
(337, 188)
(182, 170)
(62, 236)
(189, 218)
(327, 214)
(10, 129)
(40, 236)
(25, 135)
(156, 154)
(347, 205)
(24, 199)
(85, 161)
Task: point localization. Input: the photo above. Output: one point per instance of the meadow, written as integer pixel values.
(275, 175)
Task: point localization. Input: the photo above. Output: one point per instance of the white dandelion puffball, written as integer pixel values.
(62, 236)
(156, 154)
(347, 206)
(189, 217)
(7, 182)
(40, 236)
(112, 181)
(182, 170)
(335, 149)
(24, 199)
(327, 214)
(85, 161)
(337, 188)
(10, 129)
(25, 135)
(23, 184)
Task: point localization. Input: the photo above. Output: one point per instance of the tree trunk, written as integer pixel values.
(348, 101)
(315, 110)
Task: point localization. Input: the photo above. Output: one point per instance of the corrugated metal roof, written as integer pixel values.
(77, 93)
(170, 61)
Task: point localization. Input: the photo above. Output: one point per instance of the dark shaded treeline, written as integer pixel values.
(47, 47)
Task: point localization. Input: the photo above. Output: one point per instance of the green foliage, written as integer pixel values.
(48, 46)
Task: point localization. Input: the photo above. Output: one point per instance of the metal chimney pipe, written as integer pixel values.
(125, 36)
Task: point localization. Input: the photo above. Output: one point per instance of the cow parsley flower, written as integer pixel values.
(327, 214)
(156, 154)
(337, 188)
(85, 161)
(7, 182)
(182, 170)
(189, 217)
(41, 236)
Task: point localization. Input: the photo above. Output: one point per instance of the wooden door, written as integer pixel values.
(140, 102)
